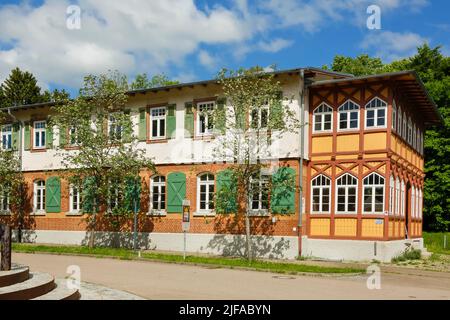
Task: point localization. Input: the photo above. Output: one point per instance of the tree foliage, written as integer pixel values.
(434, 70)
(20, 88)
(106, 158)
(143, 82)
(247, 145)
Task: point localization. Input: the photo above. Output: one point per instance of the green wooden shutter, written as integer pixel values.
(276, 112)
(226, 195)
(171, 121)
(53, 194)
(15, 136)
(282, 198)
(27, 136)
(128, 130)
(62, 136)
(132, 192)
(142, 135)
(49, 136)
(88, 194)
(189, 120)
(176, 182)
(221, 115)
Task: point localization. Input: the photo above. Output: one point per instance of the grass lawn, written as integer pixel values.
(434, 242)
(278, 267)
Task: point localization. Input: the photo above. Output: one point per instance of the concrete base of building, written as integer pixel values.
(271, 247)
(357, 250)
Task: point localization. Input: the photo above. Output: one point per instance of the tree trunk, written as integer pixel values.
(5, 240)
(92, 232)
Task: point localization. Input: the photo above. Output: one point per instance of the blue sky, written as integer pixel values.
(190, 40)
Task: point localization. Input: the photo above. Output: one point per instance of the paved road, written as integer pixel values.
(153, 280)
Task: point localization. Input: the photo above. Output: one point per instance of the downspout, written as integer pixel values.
(302, 147)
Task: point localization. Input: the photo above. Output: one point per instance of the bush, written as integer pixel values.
(409, 254)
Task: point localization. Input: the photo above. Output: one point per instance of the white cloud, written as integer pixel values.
(274, 45)
(392, 45)
(207, 60)
(131, 36)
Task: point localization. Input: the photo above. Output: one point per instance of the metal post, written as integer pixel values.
(5, 241)
(184, 246)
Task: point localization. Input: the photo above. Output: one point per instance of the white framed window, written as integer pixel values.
(394, 115)
(405, 130)
(74, 140)
(259, 117)
(74, 199)
(376, 113)
(4, 199)
(158, 194)
(259, 193)
(205, 121)
(402, 199)
(414, 137)
(399, 121)
(114, 128)
(420, 204)
(413, 202)
(320, 194)
(205, 193)
(373, 193)
(39, 134)
(348, 114)
(397, 197)
(322, 118)
(418, 139)
(7, 137)
(39, 196)
(391, 196)
(346, 194)
(115, 195)
(158, 123)
(410, 136)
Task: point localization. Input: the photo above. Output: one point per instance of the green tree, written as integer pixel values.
(143, 82)
(55, 95)
(246, 146)
(434, 70)
(20, 88)
(107, 160)
(358, 66)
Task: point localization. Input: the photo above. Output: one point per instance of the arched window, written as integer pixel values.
(373, 193)
(39, 196)
(417, 203)
(4, 198)
(413, 202)
(410, 131)
(259, 200)
(391, 195)
(420, 204)
(394, 115)
(74, 199)
(397, 196)
(205, 192)
(346, 188)
(322, 118)
(399, 121)
(158, 194)
(402, 199)
(348, 116)
(320, 191)
(414, 137)
(376, 113)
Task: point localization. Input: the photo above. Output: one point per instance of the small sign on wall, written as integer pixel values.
(378, 221)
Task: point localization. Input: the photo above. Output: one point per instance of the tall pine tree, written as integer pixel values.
(20, 88)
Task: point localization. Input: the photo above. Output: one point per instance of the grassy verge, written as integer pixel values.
(278, 267)
(434, 242)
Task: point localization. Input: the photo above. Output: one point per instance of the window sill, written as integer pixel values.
(259, 213)
(74, 214)
(156, 213)
(5, 213)
(162, 140)
(204, 214)
(206, 137)
(72, 148)
(38, 213)
(38, 150)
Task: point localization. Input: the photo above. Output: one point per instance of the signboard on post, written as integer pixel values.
(185, 223)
